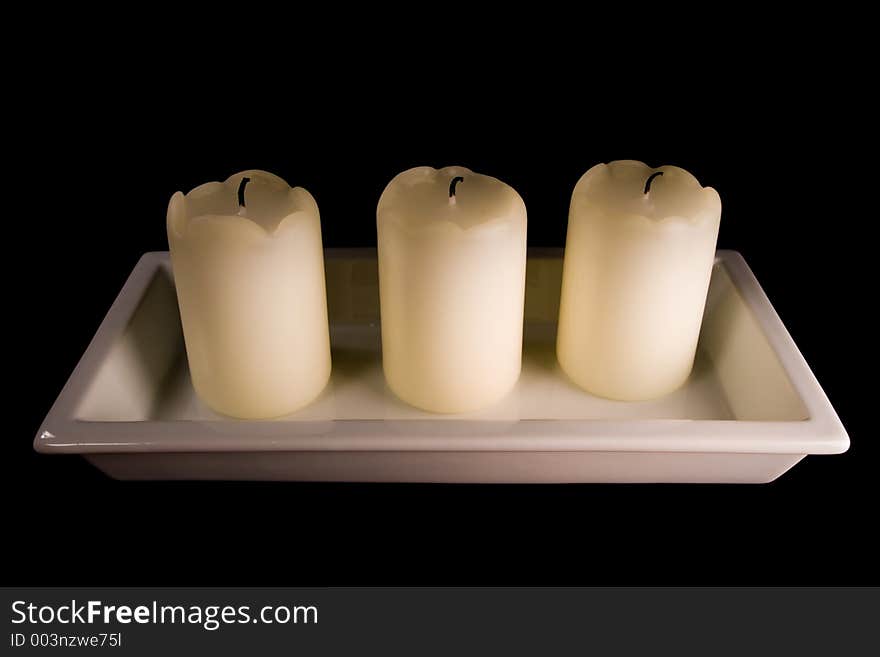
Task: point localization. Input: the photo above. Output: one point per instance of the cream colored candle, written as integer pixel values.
(452, 264)
(249, 271)
(638, 258)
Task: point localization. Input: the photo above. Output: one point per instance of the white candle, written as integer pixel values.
(249, 271)
(452, 262)
(638, 258)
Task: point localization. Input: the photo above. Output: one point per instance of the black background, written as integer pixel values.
(105, 150)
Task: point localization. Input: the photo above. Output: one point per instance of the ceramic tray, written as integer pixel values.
(751, 410)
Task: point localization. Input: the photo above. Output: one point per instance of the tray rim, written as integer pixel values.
(821, 433)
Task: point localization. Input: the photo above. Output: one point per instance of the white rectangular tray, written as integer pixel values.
(751, 410)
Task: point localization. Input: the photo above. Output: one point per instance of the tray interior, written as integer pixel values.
(736, 376)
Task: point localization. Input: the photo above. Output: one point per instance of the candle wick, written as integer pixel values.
(241, 186)
(452, 185)
(650, 178)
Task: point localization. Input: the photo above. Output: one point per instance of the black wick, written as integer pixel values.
(241, 186)
(452, 185)
(650, 178)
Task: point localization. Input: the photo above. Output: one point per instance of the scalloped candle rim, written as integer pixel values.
(269, 204)
(673, 195)
(451, 198)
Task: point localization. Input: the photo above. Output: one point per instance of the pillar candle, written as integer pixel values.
(452, 263)
(638, 258)
(249, 271)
